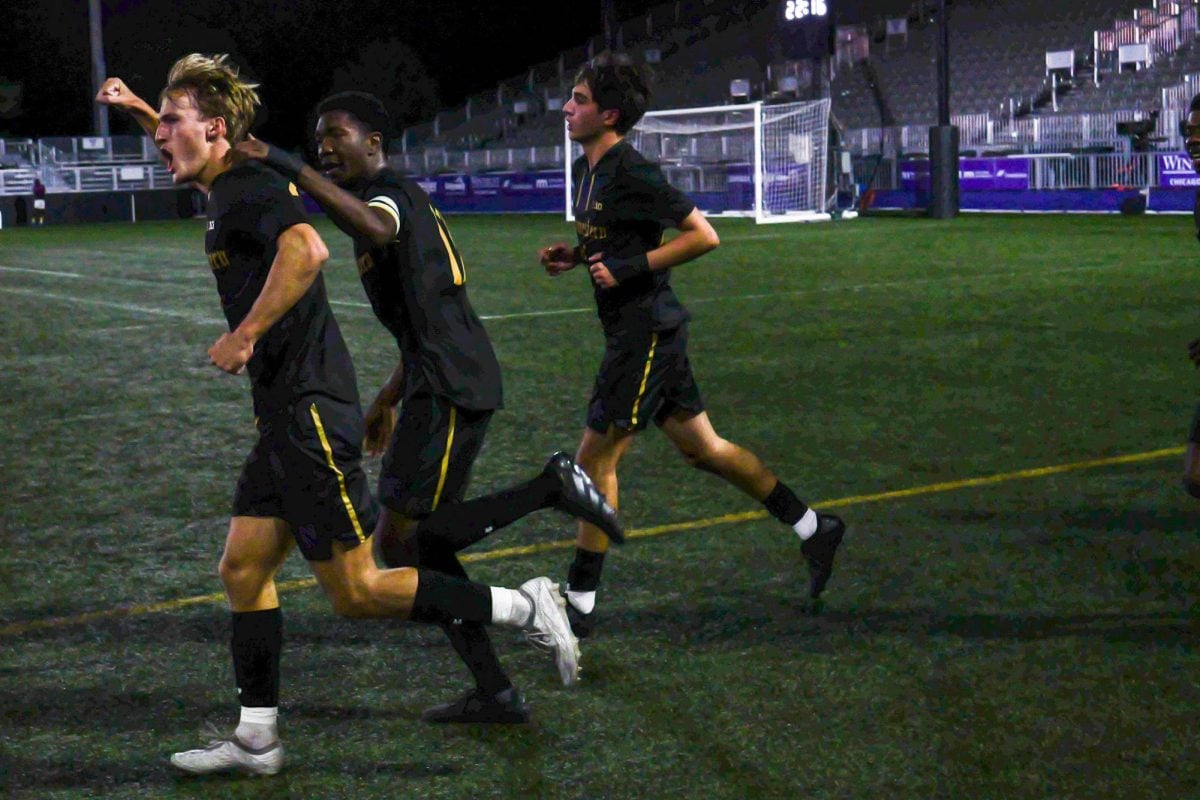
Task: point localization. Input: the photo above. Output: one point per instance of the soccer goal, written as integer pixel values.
(768, 162)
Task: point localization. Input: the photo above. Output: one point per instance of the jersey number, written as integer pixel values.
(456, 263)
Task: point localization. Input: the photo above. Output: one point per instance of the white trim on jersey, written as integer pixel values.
(389, 205)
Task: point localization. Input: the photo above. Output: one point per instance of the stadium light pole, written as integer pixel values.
(608, 23)
(96, 34)
(943, 137)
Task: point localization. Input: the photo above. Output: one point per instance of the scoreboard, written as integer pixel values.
(806, 28)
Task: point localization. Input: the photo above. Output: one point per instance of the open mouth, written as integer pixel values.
(168, 159)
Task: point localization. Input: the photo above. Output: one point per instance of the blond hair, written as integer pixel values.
(214, 86)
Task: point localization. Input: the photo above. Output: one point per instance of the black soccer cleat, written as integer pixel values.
(581, 623)
(579, 497)
(506, 708)
(819, 550)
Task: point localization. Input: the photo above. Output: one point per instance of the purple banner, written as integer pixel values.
(974, 174)
(1175, 171)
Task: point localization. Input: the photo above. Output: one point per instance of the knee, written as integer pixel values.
(242, 578)
(706, 457)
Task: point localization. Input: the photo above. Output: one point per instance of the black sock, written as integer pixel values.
(469, 639)
(256, 641)
(442, 598)
(461, 525)
(584, 575)
(784, 505)
(473, 645)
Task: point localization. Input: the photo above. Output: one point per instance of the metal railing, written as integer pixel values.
(433, 160)
(1095, 171)
(1090, 171)
(15, 152)
(70, 151)
(1027, 134)
(17, 181)
(108, 178)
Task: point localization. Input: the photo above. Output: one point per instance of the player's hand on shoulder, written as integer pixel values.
(557, 258)
(232, 352)
(380, 419)
(114, 92)
(250, 150)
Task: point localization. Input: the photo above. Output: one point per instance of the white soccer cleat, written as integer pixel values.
(551, 629)
(223, 755)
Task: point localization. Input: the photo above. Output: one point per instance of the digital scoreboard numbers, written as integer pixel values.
(804, 9)
(806, 28)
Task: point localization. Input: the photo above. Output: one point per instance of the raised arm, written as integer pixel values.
(115, 93)
(353, 216)
(298, 258)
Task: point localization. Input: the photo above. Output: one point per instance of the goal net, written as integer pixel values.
(768, 162)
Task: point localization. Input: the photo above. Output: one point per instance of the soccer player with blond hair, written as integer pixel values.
(446, 382)
(302, 482)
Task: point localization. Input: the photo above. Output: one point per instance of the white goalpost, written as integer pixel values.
(768, 162)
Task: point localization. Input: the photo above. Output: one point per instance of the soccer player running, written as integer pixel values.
(622, 204)
(447, 377)
(303, 480)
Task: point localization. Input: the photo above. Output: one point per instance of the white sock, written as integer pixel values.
(510, 607)
(258, 727)
(584, 602)
(807, 525)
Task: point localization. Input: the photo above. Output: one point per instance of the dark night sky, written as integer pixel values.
(293, 47)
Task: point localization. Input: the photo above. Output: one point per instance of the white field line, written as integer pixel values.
(129, 307)
(963, 280)
(50, 272)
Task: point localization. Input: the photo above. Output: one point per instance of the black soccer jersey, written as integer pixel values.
(303, 353)
(417, 285)
(621, 209)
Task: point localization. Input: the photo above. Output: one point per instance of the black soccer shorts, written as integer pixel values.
(306, 469)
(429, 459)
(644, 376)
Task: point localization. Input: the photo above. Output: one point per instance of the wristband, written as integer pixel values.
(283, 162)
(622, 269)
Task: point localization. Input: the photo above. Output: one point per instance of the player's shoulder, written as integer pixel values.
(256, 179)
(635, 166)
(388, 181)
(626, 153)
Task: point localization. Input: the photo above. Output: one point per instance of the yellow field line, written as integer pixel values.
(636, 533)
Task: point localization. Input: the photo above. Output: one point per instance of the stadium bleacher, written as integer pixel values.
(1127, 62)
(81, 164)
(999, 77)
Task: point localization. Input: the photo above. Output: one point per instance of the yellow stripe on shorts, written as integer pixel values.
(437, 495)
(341, 478)
(645, 377)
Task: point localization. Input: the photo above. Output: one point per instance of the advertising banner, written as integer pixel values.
(974, 174)
(1175, 171)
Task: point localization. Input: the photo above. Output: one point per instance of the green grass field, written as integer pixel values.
(1030, 636)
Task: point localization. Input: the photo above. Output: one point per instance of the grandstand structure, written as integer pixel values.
(1050, 80)
(82, 164)
(1114, 61)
